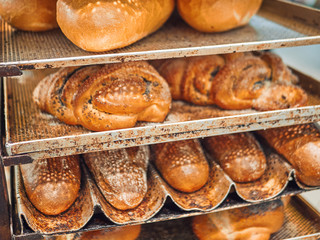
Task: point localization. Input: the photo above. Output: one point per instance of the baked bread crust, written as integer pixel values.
(102, 25)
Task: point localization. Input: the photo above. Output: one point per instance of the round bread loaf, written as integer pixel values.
(217, 15)
(101, 25)
(29, 15)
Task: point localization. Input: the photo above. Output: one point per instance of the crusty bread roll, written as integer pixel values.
(121, 175)
(217, 15)
(233, 81)
(116, 233)
(182, 164)
(101, 25)
(256, 222)
(53, 184)
(239, 155)
(105, 97)
(300, 145)
(29, 15)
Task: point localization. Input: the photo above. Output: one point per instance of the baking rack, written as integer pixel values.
(278, 24)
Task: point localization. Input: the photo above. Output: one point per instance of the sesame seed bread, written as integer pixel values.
(233, 81)
(105, 97)
(239, 155)
(121, 175)
(300, 145)
(182, 164)
(53, 184)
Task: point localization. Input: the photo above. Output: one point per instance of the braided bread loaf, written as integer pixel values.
(105, 97)
(233, 81)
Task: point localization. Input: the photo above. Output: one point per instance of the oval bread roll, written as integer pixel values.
(217, 15)
(101, 25)
(239, 155)
(29, 15)
(53, 184)
(121, 175)
(300, 145)
(182, 164)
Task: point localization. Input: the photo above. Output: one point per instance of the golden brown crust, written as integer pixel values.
(121, 175)
(191, 78)
(300, 145)
(52, 184)
(105, 97)
(182, 164)
(29, 15)
(62, 89)
(107, 24)
(235, 86)
(217, 15)
(233, 81)
(120, 94)
(247, 223)
(116, 233)
(239, 155)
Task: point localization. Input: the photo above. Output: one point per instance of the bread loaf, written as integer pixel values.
(105, 97)
(29, 15)
(233, 81)
(53, 184)
(217, 15)
(239, 155)
(300, 145)
(116, 233)
(121, 175)
(109, 24)
(182, 164)
(256, 222)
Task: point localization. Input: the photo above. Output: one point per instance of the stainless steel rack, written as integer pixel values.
(169, 212)
(32, 134)
(278, 24)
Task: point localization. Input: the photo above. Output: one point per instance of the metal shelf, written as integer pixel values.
(296, 213)
(278, 24)
(31, 134)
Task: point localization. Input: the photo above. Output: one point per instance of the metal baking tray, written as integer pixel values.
(278, 24)
(301, 222)
(31, 134)
(273, 183)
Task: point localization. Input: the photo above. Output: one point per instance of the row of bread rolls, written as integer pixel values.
(52, 185)
(255, 222)
(115, 96)
(101, 25)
